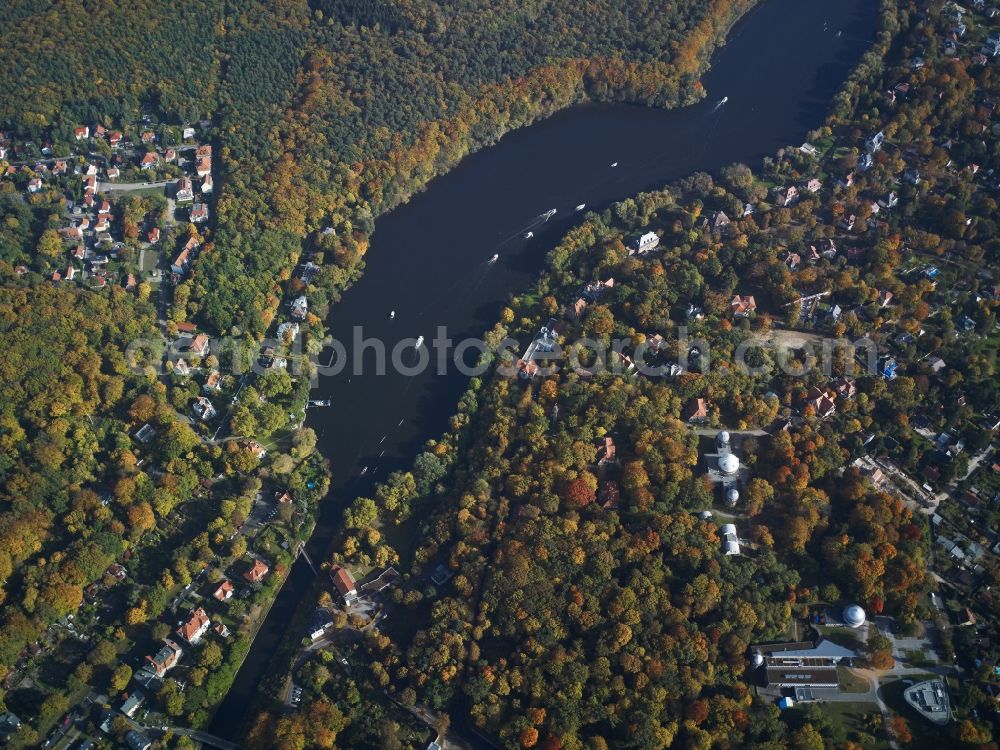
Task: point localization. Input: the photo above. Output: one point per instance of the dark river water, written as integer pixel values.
(779, 70)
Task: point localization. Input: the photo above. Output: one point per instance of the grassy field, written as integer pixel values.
(857, 722)
(851, 683)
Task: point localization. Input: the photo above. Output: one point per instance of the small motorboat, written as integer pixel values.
(723, 100)
(549, 214)
(529, 235)
(420, 342)
(392, 315)
(495, 258)
(581, 207)
(364, 471)
(614, 164)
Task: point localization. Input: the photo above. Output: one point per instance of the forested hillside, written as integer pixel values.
(68, 62)
(65, 382)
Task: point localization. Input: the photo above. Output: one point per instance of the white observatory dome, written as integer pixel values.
(729, 464)
(854, 616)
(758, 658)
(722, 438)
(732, 496)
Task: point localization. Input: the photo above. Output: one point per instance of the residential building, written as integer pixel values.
(200, 345)
(300, 306)
(606, 451)
(224, 591)
(165, 659)
(822, 404)
(343, 581)
(788, 196)
(203, 409)
(213, 383)
(9, 723)
(137, 740)
(644, 243)
(183, 191)
(743, 306)
(133, 703)
(257, 572)
(195, 627)
(845, 387)
(696, 410)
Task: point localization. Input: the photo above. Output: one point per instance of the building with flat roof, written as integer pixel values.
(801, 664)
(930, 699)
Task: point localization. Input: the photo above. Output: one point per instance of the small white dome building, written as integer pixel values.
(732, 497)
(722, 439)
(705, 515)
(729, 464)
(758, 658)
(854, 616)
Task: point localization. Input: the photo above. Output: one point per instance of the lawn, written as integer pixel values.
(850, 682)
(858, 722)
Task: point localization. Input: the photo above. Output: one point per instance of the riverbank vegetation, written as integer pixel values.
(568, 589)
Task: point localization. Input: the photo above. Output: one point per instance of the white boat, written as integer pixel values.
(495, 258)
(392, 315)
(581, 207)
(364, 471)
(529, 235)
(549, 214)
(614, 164)
(420, 342)
(723, 100)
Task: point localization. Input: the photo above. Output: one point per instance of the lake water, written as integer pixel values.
(779, 70)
